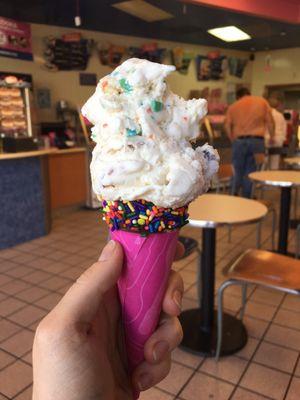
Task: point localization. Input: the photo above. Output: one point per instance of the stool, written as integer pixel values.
(297, 252)
(190, 245)
(223, 177)
(260, 161)
(271, 210)
(262, 268)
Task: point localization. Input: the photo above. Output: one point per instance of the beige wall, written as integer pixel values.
(285, 69)
(65, 84)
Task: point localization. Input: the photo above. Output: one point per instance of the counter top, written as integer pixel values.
(38, 153)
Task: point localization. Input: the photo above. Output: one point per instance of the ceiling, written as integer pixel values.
(188, 27)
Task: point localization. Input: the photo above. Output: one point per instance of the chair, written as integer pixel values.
(271, 210)
(222, 181)
(261, 163)
(223, 177)
(297, 252)
(262, 268)
(190, 245)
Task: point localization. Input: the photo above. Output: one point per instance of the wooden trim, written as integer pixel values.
(38, 153)
(68, 179)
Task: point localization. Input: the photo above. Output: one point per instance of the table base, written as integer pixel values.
(198, 341)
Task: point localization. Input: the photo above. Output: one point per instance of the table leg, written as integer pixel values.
(284, 218)
(208, 277)
(200, 325)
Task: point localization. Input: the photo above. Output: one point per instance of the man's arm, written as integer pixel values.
(270, 123)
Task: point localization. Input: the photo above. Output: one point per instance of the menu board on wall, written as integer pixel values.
(15, 39)
(68, 54)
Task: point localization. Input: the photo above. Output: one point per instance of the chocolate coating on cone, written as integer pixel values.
(143, 217)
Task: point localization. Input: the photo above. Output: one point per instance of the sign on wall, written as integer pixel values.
(15, 39)
(43, 98)
(87, 79)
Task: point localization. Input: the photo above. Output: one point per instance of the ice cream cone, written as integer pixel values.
(147, 264)
(148, 235)
(142, 132)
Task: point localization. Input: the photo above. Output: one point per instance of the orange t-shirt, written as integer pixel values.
(248, 116)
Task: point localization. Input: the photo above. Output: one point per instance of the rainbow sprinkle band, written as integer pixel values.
(142, 216)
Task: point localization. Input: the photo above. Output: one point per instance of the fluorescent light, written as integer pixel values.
(229, 34)
(143, 10)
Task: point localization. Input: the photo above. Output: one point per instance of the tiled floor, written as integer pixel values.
(35, 275)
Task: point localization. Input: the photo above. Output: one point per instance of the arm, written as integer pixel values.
(283, 129)
(228, 125)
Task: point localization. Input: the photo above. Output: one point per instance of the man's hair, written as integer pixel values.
(242, 92)
(274, 102)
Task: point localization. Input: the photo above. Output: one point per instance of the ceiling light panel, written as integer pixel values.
(143, 10)
(229, 34)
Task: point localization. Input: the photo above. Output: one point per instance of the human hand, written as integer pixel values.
(79, 352)
(272, 141)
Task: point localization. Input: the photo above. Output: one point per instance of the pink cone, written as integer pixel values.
(142, 286)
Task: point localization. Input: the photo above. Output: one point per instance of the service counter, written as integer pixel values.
(32, 184)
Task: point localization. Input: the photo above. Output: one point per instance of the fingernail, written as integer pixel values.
(144, 381)
(107, 251)
(177, 298)
(160, 350)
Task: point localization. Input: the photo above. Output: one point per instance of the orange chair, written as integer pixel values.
(223, 177)
(262, 268)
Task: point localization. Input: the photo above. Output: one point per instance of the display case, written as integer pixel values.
(15, 108)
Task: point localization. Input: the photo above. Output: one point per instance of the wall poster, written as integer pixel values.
(15, 39)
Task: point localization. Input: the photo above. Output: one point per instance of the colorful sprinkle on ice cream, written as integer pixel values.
(142, 132)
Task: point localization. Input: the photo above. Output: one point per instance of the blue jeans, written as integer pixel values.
(243, 161)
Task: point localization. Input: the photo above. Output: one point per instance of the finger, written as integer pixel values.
(173, 297)
(147, 375)
(166, 338)
(83, 299)
(179, 251)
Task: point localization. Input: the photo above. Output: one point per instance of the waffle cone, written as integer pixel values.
(147, 264)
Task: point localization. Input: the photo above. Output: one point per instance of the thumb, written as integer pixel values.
(83, 299)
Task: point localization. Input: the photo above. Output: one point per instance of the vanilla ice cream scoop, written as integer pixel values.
(142, 132)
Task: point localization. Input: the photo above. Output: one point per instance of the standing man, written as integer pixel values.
(247, 121)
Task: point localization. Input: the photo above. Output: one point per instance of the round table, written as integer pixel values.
(292, 161)
(285, 180)
(200, 325)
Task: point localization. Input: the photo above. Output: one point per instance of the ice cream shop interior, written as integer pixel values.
(150, 200)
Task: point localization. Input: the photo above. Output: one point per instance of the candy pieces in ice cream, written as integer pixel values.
(142, 132)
